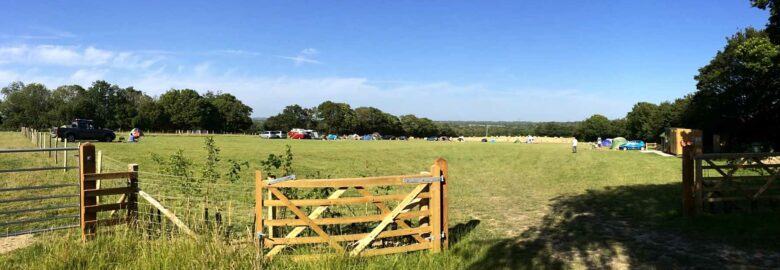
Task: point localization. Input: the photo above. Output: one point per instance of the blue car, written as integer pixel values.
(632, 145)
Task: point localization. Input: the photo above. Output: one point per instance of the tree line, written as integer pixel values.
(737, 95)
(111, 106)
(339, 118)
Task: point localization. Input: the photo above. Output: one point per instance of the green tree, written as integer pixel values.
(641, 121)
(370, 120)
(773, 26)
(738, 92)
(293, 116)
(418, 127)
(555, 129)
(618, 128)
(67, 103)
(337, 118)
(151, 115)
(231, 114)
(185, 108)
(25, 105)
(594, 127)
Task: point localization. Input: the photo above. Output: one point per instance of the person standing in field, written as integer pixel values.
(574, 145)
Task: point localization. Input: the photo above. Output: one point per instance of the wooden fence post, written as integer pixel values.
(435, 209)
(88, 219)
(259, 209)
(688, 181)
(65, 156)
(98, 169)
(132, 198)
(444, 202)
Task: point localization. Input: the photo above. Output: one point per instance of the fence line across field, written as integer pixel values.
(360, 216)
(43, 204)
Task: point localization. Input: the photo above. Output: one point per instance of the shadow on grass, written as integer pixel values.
(461, 230)
(637, 227)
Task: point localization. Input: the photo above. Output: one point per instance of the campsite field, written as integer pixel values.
(512, 206)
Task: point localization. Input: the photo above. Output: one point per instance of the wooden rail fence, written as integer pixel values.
(417, 222)
(729, 182)
(91, 190)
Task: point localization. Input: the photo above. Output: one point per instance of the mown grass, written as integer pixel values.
(512, 206)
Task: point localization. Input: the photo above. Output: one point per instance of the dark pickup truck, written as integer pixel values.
(83, 129)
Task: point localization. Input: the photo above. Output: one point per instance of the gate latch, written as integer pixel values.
(281, 179)
(417, 180)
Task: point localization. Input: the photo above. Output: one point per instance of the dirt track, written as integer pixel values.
(8, 244)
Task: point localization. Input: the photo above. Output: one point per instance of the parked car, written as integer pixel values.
(83, 129)
(432, 138)
(632, 145)
(388, 137)
(401, 138)
(275, 134)
(298, 134)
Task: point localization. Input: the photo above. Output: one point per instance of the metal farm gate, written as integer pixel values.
(36, 202)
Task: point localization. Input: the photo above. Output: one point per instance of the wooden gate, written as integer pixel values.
(417, 222)
(729, 182)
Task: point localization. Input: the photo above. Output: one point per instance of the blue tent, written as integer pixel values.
(606, 143)
(332, 137)
(368, 137)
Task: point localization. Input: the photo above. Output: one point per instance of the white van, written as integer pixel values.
(275, 134)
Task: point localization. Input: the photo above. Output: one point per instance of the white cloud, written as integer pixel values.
(306, 56)
(436, 100)
(41, 33)
(8, 76)
(201, 69)
(59, 65)
(86, 76)
(72, 56)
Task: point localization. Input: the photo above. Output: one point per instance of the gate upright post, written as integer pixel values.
(689, 208)
(435, 210)
(259, 226)
(88, 219)
(444, 203)
(132, 198)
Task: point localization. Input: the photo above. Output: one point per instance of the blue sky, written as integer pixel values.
(446, 60)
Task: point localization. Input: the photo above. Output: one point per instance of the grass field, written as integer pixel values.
(512, 206)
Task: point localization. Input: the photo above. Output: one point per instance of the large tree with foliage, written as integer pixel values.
(25, 105)
(370, 120)
(231, 113)
(67, 103)
(186, 108)
(642, 122)
(738, 92)
(336, 118)
(773, 26)
(418, 127)
(293, 116)
(594, 127)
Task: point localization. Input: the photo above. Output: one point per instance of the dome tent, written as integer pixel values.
(617, 142)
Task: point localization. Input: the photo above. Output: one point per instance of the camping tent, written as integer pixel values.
(606, 143)
(617, 142)
(332, 137)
